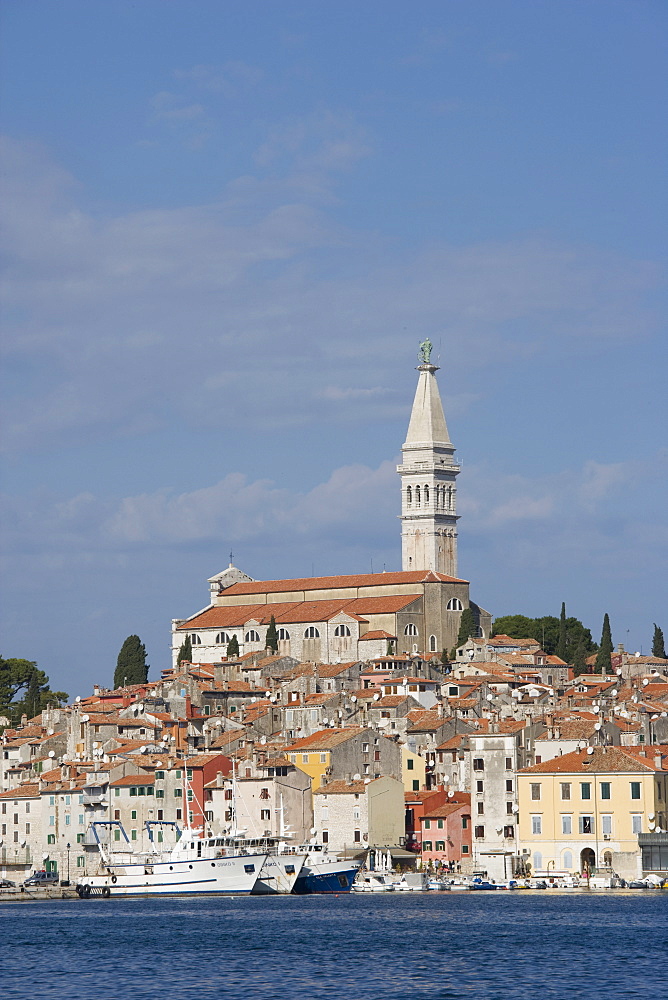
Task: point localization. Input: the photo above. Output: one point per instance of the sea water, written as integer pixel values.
(393, 946)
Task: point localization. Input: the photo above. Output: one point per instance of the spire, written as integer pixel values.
(427, 427)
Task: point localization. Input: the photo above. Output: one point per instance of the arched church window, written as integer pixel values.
(410, 629)
(195, 640)
(283, 634)
(311, 633)
(342, 630)
(417, 496)
(426, 494)
(432, 643)
(454, 604)
(252, 635)
(409, 495)
(222, 639)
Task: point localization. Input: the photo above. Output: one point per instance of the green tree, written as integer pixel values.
(467, 626)
(658, 645)
(185, 652)
(562, 642)
(545, 631)
(271, 640)
(579, 659)
(23, 677)
(603, 661)
(233, 647)
(131, 665)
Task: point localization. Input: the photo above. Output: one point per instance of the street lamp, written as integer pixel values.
(67, 847)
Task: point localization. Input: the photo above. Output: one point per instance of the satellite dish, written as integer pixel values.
(597, 725)
(85, 718)
(45, 856)
(614, 692)
(376, 697)
(636, 654)
(490, 697)
(313, 829)
(645, 682)
(357, 777)
(49, 732)
(659, 830)
(267, 694)
(52, 753)
(450, 794)
(618, 671)
(353, 697)
(590, 750)
(651, 826)
(263, 740)
(650, 816)
(664, 714)
(77, 699)
(253, 700)
(595, 706)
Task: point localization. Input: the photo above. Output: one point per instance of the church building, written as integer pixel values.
(359, 617)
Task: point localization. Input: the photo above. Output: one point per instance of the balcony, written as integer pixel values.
(95, 797)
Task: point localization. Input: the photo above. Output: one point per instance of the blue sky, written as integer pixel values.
(227, 228)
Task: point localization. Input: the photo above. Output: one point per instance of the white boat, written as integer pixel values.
(194, 865)
(373, 882)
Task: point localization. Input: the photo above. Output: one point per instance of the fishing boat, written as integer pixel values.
(196, 864)
(324, 873)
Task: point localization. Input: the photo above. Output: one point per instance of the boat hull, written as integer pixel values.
(228, 875)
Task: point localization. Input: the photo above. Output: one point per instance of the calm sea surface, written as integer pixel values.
(403, 946)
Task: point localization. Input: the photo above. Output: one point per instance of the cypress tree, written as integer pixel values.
(605, 649)
(185, 652)
(233, 647)
(131, 665)
(271, 640)
(658, 645)
(579, 657)
(467, 626)
(562, 641)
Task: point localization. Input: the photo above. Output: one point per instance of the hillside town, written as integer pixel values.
(348, 711)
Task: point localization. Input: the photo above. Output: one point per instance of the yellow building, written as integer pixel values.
(412, 770)
(584, 810)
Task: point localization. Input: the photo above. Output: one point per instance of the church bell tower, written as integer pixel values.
(428, 473)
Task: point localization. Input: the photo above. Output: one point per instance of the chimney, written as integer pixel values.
(658, 762)
(219, 779)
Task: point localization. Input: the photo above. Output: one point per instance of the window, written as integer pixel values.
(509, 784)
(410, 629)
(439, 824)
(636, 823)
(416, 785)
(52, 820)
(178, 793)
(159, 775)
(509, 808)
(159, 793)
(479, 832)
(454, 604)
(565, 791)
(417, 495)
(586, 824)
(605, 790)
(264, 793)
(304, 758)
(117, 834)
(222, 639)
(409, 496)
(535, 791)
(606, 826)
(440, 845)
(133, 834)
(342, 630)
(252, 635)
(195, 640)
(478, 764)
(427, 824)
(133, 790)
(465, 822)
(265, 814)
(567, 824)
(585, 790)
(426, 845)
(537, 860)
(479, 786)
(80, 838)
(567, 860)
(509, 763)
(311, 633)
(432, 643)
(356, 836)
(133, 814)
(453, 692)
(481, 808)
(536, 824)
(51, 838)
(325, 837)
(283, 634)
(635, 789)
(409, 764)
(465, 848)
(509, 831)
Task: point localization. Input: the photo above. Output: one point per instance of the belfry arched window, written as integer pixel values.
(417, 496)
(311, 633)
(342, 630)
(454, 604)
(283, 634)
(409, 496)
(426, 494)
(222, 639)
(410, 629)
(252, 635)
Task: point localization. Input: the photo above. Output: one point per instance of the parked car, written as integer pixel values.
(6, 884)
(42, 878)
